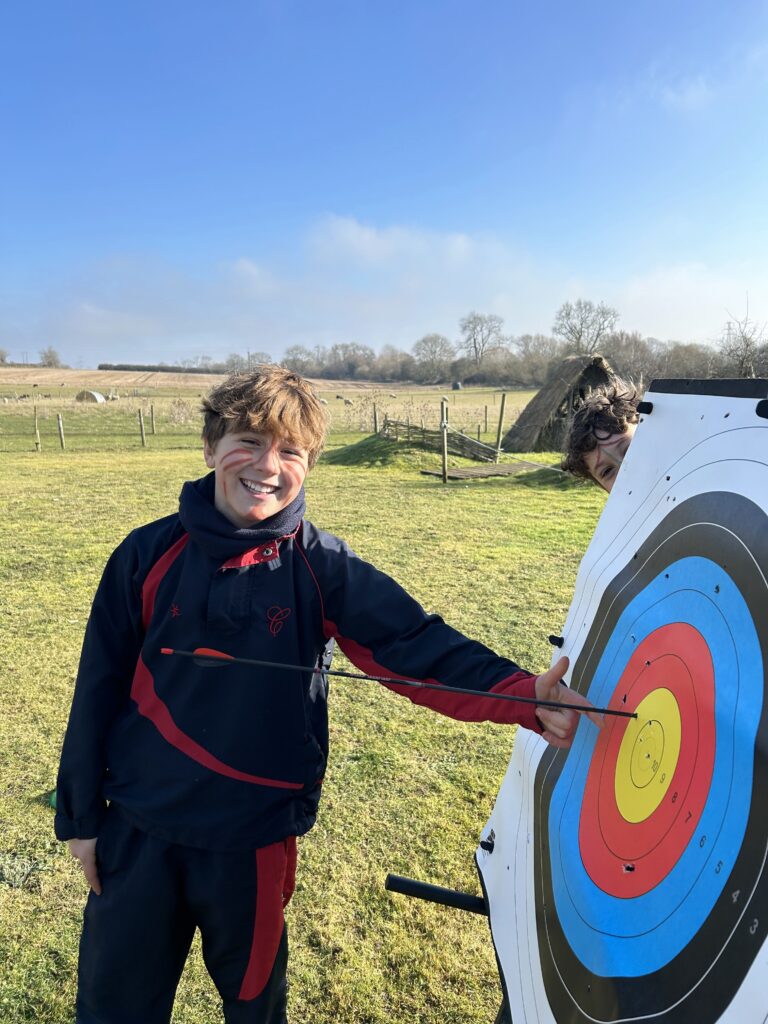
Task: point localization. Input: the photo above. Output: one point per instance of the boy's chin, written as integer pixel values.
(257, 514)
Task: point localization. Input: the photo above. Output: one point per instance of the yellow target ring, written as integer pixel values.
(648, 756)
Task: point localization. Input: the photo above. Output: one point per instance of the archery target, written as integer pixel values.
(628, 876)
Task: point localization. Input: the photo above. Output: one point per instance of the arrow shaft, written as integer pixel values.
(226, 659)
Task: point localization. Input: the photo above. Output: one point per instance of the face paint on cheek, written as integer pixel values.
(235, 459)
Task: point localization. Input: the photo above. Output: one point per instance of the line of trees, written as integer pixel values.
(484, 354)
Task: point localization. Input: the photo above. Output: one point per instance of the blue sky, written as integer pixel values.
(187, 178)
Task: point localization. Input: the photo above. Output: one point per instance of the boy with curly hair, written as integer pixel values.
(601, 432)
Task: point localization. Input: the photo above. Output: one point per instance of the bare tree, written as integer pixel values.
(234, 362)
(299, 359)
(393, 364)
(535, 354)
(583, 325)
(480, 332)
(258, 359)
(740, 345)
(433, 353)
(50, 357)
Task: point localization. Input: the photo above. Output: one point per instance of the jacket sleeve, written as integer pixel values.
(385, 632)
(111, 647)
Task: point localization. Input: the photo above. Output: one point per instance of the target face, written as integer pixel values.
(628, 877)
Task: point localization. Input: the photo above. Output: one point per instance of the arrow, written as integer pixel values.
(207, 654)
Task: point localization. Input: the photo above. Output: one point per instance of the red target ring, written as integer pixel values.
(627, 858)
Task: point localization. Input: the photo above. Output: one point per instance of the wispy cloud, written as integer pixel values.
(376, 284)
(740, 70)
(686, 95)
(337, 239)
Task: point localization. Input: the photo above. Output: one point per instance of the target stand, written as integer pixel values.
(627, 876)
(447, 898)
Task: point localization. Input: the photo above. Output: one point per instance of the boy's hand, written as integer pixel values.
(84, 850)
(560, 726)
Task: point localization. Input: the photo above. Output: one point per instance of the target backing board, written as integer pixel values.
(626, 878)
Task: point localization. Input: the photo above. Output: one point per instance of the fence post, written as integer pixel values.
(141, 429)
(478, 431)
(38, 445)
(375, 419)
(61, 430)
(501, 424)
(486, 419)
(408, 426)
(152, 418)
(444, 437)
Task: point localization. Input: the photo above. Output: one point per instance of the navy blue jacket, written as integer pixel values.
(233, 757)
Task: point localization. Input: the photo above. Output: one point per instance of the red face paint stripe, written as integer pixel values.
(236, 458)
(456, 705)
(271, 871)
(155, 575)
(153, 708)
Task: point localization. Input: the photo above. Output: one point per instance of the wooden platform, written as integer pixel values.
(473, 473)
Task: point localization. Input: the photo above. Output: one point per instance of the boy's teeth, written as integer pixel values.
(258, 488)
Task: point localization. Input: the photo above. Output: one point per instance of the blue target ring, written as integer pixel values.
(642, 934)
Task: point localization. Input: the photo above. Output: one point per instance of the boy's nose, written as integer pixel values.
(269, 457)
(612, 455)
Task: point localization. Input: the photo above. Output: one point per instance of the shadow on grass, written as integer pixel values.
(553, 479)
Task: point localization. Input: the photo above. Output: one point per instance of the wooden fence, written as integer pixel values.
(457, 443)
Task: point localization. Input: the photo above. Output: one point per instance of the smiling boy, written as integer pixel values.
(182, 787)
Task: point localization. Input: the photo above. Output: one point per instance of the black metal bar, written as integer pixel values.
(436, 894)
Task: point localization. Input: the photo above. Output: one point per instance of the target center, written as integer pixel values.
(648, 755)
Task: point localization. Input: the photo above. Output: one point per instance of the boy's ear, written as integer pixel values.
(208, 455)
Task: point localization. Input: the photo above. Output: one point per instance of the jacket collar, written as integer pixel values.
(217, 535)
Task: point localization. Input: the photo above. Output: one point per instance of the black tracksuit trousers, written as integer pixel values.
(137, 934)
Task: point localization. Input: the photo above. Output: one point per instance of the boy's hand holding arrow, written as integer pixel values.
(559, 724)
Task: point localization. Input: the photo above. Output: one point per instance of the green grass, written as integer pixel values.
(407, 790)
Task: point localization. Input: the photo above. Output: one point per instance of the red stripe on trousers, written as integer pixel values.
(275, 879)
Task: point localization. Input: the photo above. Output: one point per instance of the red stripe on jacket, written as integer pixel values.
(460, 706)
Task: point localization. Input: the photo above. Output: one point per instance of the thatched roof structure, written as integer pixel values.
(543, 423)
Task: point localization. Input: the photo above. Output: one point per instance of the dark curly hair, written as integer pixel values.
(605, 411)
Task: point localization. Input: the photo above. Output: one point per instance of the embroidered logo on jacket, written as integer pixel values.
(175, 611)
(276, 616)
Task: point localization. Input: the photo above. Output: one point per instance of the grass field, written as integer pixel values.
(29, 396)
(407, 791)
